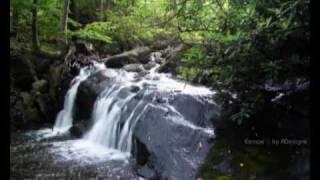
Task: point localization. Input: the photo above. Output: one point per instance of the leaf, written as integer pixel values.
(268, 21)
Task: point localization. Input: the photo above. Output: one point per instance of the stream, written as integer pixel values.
(140, 126)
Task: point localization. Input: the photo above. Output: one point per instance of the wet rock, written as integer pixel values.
(45, 106)
(16, 114)
(42, 65)
(88, 91)
(147, 173)
(108, 48)
(22, 72)
(40, 85)
(188, 105)
(75, 69)
(168, 137)
(134, 68)
(172, 147)
(149, 65)
(173, 60)
(58, 81)
(13, 99)
(78, 130)
(31, 115)
(134, 89)
(24, 111)
(55, 78)
(27, 99)
(202, 78)
(141, 153)
(157, 57)
(84, 48)
(136, 55)
(166, 52)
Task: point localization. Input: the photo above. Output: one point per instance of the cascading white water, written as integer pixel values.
(106, 117)
(64, 118)
(126, 133)
(108, 129)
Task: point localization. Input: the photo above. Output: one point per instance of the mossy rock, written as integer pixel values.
(22, 72)
(27, 99)
(55, 78)
(31, 115)
(40, 86)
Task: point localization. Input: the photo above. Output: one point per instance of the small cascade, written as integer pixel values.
(113, 123)
(64, 118)
(118, 109)
(108, 130)
(106, 117)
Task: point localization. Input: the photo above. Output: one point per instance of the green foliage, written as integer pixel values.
(49, 19)
(188, 73)
(97, 31)
(255, 42)
(242, 44)
(48, 16)
(242, 115)
(192, 62)
(140, 24)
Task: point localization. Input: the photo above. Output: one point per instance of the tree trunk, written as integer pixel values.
(15, 21)
(175, 6)
(65, 18)
(109, 4)
(35, 38)
(101, 9)
(11, 21)
(133, 2)
(74, 14)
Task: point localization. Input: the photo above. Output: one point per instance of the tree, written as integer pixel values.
(101, 9)
(35, 38)
(65, 18)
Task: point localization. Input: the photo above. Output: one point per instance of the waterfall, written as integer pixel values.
(117, 109)
(107, 130)
(106, 117)
(113, 123)
(64, 118)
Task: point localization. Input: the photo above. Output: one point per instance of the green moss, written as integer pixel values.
(31, 115)
(51, 48)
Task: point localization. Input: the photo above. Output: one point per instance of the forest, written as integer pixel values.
(160, 89)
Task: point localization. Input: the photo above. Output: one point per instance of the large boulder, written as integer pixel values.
(23, 110)
(157, 57)
(147, 173)
(79, 129)
(45, 106)
(22, 72)
(42, 65)
(88, 91)
(149, 65)
(83, 47)
(177, 145)
(134, 68)
(173, 133)
(136, 55)
(40, 86)
(173, 60)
